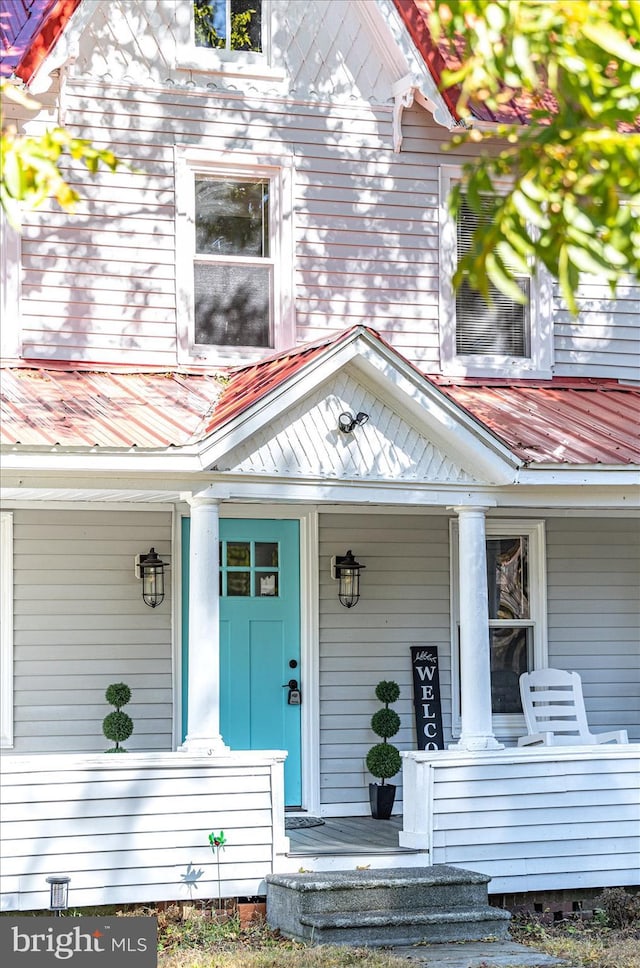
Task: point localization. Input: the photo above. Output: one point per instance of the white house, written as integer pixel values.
(243, 351)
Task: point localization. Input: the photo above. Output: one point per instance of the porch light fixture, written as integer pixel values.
(58, 893)
(346, 570)
(150, 569)
(347, 422)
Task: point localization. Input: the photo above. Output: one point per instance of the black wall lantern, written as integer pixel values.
(150, 570)
(58, 893)
(347, 422)
(346, 570)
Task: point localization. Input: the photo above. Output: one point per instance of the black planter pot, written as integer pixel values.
(381, 797)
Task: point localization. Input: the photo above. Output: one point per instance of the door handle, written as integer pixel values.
(295, 696)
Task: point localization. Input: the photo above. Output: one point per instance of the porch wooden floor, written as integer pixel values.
(348, 835)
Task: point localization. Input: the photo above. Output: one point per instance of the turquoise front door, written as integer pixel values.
(260, 640)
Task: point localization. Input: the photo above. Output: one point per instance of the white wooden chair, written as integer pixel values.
(554, 711)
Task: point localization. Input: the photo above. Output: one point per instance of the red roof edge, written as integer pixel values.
(46, 38)
(421, 37)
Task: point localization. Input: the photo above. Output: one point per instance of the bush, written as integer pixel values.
(619, 908)
(117, 726)
(383, 759)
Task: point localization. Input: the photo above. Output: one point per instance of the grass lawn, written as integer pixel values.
(611, 939)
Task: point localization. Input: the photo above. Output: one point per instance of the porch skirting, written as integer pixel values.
(534, 819)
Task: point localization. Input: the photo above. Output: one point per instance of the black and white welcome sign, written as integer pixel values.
(426, 697)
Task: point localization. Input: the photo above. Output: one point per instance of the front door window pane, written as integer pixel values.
(266, 584)
(266, 554)
(238, 553)
(238, 583)
(250, 569)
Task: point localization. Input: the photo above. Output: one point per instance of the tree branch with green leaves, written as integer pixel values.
(30, 167)
(566, 186)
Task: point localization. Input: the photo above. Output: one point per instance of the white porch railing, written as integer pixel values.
(534, 819)
(134, 827)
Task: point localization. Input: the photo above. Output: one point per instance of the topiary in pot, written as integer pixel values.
(383, 759)
(117, 726)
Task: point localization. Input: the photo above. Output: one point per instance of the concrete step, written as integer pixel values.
(382, 907)
(376, 928)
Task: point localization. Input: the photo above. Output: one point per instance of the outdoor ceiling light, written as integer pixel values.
(347, 422)
(150, 569)
(346, 570)
(58, 893)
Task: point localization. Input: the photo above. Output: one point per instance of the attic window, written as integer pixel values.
(230, 37)
(503, 338)
(228, 24)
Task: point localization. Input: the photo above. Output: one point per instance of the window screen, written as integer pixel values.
(501, 328)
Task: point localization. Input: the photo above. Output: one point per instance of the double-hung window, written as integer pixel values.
(504, 337)
(234, 256)
(517, 616)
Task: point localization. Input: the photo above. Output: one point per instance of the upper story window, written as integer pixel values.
(228, 37)
(233, 268)
(228, 24)
(504, 338)
(235, 256)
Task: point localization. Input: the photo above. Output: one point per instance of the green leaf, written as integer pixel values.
(529, 210)
(586, 261)
(499, 276)
(608, 38)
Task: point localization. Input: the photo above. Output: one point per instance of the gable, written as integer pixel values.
(305, 441)
(318, 51)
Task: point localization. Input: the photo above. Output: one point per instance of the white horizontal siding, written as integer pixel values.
(603, 339)
(594, 614)
(404, 601)
(100, 285)
(80, 624)
(534, 819)
(129, 829)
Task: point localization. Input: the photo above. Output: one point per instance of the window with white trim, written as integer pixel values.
(228, 37)
(228, 24)
(516, 581)
(6, 630)
(505, 338)
(235, 260)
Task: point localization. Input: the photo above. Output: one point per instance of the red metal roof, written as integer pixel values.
(29, 30)
(443, 55)
(79, 408)
(559, 421)
(248, 384)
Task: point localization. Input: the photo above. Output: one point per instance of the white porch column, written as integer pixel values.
(203, 697)
(475, 657)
